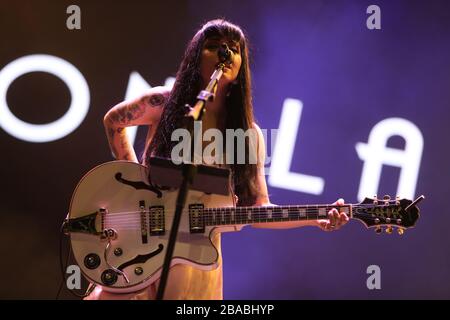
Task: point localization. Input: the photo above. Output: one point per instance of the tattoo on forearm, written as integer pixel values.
(123, 144)
(125, 115)
(156, 100)
(122, 141)
(121, 117)
(111, 133)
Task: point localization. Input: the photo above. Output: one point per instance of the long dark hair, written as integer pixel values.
(239, 104)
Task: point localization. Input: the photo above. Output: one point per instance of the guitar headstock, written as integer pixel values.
(377, 213)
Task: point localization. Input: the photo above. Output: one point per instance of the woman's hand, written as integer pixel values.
(335, 219)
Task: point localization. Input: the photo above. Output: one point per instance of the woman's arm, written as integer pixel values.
(335, 221)
(263, 195)
(144, 110)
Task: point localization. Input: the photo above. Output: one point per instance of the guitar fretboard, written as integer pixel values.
(247, 215)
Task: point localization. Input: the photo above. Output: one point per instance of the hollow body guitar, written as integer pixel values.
(119, 224)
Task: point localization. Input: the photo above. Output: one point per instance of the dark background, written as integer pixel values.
(349, 78)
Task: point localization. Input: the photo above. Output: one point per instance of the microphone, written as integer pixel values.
(224, 53)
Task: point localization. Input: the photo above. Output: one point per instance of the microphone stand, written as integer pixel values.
(189, 169)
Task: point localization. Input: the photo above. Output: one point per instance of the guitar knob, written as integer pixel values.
(389, 230)
(400, 231)
(138, 271)
(378, 230)
(92, 261)
(109, 277)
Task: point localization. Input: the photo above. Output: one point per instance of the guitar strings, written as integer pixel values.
(210, 219)
(227, 210)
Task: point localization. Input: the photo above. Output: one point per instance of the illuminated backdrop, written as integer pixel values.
(362, 112)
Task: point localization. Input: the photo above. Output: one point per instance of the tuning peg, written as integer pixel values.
(397, 200)
(387, 197)
(375, 199)
(378, 230)
(400, 231)
(389, 230)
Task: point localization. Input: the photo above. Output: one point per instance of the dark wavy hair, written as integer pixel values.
(238, 103)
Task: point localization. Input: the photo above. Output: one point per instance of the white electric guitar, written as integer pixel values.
(119, 224)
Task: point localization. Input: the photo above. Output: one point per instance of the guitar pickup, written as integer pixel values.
(157, 221)
(196, 218)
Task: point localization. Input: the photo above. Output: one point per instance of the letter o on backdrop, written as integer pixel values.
(72, 77)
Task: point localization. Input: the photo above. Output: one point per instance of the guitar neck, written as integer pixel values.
(251, 215)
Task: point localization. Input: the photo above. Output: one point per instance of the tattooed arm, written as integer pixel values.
(145, 110)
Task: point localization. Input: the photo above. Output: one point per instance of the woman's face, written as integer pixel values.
(210, 59)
